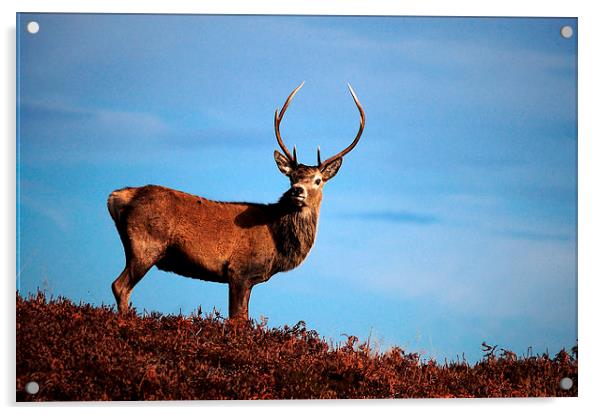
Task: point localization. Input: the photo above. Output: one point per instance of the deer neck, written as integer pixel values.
(294, 233)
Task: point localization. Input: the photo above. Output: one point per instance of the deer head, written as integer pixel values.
(307, 182)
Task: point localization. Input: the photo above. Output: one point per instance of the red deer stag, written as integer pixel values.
(239, 244)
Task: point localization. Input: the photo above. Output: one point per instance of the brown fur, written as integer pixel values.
(241, 244)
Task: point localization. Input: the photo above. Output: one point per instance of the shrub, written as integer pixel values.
(81, 352)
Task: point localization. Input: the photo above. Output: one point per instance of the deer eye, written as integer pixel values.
(318, 181)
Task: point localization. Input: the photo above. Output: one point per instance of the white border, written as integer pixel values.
(340, 7)
(590, 205)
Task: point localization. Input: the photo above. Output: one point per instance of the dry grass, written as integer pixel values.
(81, 352)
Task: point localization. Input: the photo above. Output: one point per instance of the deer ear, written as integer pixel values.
(283, 163)
(331, 169)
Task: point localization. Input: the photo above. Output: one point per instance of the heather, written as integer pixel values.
(83, 352)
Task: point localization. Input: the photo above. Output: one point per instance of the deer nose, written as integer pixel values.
(297, 191)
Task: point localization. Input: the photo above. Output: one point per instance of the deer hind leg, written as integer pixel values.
(120, 287)
(125, 283)
(138, 263)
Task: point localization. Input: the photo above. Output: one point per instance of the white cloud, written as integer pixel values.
(118, 121)
(468, 272)
(49, 211)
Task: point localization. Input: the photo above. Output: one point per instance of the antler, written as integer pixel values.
(357, 137)
(278, 119)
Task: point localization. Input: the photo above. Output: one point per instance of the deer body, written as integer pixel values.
(249, 242)
(240, 244)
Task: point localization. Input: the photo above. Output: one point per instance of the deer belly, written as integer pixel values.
(181, 264)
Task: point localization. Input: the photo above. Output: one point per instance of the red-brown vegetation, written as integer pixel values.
(82, 352)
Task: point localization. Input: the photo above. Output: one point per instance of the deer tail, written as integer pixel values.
(118, 201)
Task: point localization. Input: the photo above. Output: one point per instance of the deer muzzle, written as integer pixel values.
(298, 194)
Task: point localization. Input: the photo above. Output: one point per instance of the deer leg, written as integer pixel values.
(124, 284)
(118, 287)
(238, 299)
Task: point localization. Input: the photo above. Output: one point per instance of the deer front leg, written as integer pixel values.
(238, 299)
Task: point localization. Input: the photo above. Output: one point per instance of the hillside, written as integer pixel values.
(81, 352)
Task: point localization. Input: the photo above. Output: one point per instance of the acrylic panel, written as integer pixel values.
(165, 251)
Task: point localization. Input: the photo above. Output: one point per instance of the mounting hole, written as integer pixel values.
(33, 27)
(32, 388)
(566, 32)
(566, 383)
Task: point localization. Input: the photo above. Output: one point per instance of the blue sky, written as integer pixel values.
(452, 222)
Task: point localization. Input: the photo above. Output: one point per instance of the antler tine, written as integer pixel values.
(359, 132)
(278, 119)
(295, 153)
(319, 158)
